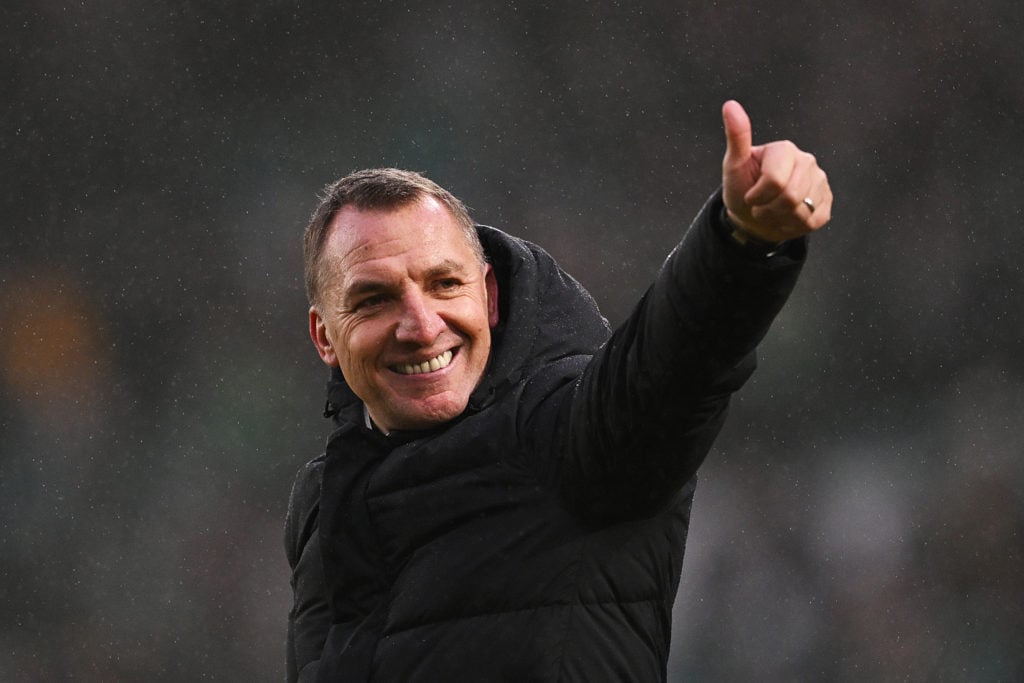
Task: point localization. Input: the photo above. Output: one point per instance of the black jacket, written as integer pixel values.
(540, 536)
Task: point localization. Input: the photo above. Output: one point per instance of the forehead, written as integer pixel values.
(385, 242)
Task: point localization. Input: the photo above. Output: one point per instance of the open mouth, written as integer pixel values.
(432, 365)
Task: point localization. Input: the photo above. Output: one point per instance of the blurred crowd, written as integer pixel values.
(862, 515)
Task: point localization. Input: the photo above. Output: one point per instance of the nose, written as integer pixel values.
(419, 322)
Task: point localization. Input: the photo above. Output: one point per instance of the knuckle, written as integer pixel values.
(791, 198)
(772, 182)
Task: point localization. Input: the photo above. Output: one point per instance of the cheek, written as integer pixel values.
(356, 344)
(478, 327)
(475, 314)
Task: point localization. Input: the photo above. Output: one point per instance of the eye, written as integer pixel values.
(370, 302)
(446, 285)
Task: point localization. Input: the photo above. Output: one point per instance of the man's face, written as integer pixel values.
(406, 311)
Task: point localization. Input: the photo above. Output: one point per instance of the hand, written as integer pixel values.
(765, 186)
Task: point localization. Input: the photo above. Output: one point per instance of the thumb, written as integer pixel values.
(737, 133)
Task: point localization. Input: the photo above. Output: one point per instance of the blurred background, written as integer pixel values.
(861, 517)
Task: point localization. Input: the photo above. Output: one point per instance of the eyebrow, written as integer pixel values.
(446, 267)
(366, 286)
(369, 285)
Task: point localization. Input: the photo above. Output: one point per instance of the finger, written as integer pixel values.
(822, 197)
(788, 205)
(789, 212)
(738, 135)
(818, 193)
(778, 160)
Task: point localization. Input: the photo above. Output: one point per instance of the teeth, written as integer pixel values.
(432, 365)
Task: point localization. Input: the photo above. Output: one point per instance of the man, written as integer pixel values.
(506, 494)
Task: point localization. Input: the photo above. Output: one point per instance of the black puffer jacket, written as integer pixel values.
(540, 536)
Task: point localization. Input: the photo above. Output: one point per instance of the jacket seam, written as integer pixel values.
(480, 615)
(574, 608)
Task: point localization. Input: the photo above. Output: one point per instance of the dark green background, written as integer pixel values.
(860, 518)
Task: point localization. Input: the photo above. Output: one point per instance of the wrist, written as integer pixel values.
(745, 240)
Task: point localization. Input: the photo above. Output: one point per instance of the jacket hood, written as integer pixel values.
(543, 315)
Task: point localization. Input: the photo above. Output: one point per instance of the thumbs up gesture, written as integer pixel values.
(773, 192)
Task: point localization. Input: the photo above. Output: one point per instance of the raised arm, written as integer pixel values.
(634, 428)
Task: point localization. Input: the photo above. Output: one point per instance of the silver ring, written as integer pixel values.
(809, 203)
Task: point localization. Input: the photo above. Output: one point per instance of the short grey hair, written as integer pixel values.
(375, 188)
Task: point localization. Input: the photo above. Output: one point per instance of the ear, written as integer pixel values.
(491, 282)
(318, 333)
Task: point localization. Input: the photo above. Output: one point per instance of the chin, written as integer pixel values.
(424, 417)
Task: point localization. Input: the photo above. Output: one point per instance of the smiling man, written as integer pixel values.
(506, 493)
(406, 308)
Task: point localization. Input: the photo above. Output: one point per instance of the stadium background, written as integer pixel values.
(860, 518)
